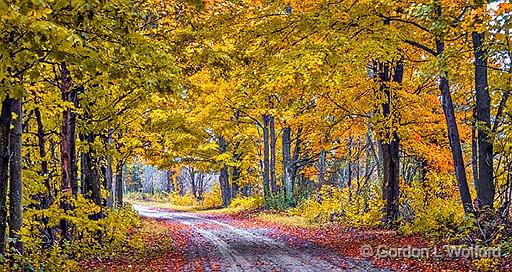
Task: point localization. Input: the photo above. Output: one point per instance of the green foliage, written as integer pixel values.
(276, 202)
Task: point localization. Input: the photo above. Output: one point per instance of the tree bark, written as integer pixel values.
(390, 155)
(169, 183)
(390, 142)
(321, 168)
(234, 189)
(287, 179)
(295, 159)
(266, 151)
(236, 173)
(68, 134)
(193, 180)
(224, 186)
(119, 185)
(91, 184)
(474, 149)
(15, 185)
(349, 162)
(5, 127)
(224, 176)
(453, 135)
(85, 179)
(45, 201)
(273, 182)
(485, 183)
(109, 175)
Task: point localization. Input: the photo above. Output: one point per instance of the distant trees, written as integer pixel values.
(333, 103)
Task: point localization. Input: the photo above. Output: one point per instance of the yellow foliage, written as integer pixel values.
(247, 203)
(212, 199)
(435, 205)
(114, 226)
(485, 264)
(340, 205)
(185, 200)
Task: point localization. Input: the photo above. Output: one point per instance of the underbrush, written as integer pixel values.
(246, 203)
(91, 231)
(432, 208)
(341, 205)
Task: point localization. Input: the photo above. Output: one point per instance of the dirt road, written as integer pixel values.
(226, 246)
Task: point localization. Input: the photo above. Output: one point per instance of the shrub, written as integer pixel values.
(276, 202)
(45, 249)
(333, 204)
(212, 199)
(247, 203)
(435, 207)
(185, 200)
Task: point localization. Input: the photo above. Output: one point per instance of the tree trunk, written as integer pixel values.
(390, 155)
(273, 182)
(390, 142)
(85, 174)
(349, 162)
(91, 184)
(484, 184)
(235, 183)
(224, 176)
(453, 135)
(321, 168)
(119, 185)
(169, 183)
(246, 190)
(95, 188)
(109, 175)
(68, 134)
(474, 149)
(287, 181)
(224, 186)
(295, 159)
(234, 189)
(45, 201)
(5, 127)
(15, 185)
(266, 164)
(193, 181)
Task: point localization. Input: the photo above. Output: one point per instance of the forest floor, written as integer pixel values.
(219, 241)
